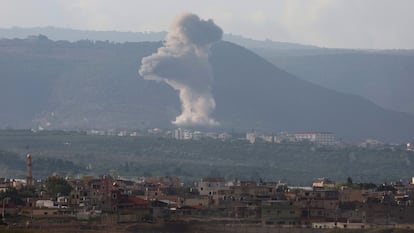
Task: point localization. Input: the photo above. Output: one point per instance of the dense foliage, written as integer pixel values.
(75, 153)
(57, 185)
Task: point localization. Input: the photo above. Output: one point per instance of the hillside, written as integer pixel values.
(383, 77)
(268, 97)
(74, 35)
(63, 85)
(74, 153)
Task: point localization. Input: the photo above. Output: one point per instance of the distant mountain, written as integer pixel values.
(255, 93)
(114, 36)
(265, 44)
(83, 85)
(73, 35)
(382, 76)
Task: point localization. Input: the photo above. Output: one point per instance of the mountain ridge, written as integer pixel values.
(89, 84)
(73, 35)
(382, 77)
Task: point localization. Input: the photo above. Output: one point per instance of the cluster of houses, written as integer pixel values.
(319, 138)
(323, 205)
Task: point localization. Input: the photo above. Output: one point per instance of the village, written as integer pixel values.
(158, 200)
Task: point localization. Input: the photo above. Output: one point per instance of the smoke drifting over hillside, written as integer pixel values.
(183, 64)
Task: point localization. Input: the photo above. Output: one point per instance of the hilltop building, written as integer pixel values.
(410, 146)
(321, 138)
(183, 134)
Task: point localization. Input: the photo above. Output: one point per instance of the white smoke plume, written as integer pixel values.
(183, 64)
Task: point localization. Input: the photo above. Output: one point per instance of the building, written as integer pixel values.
(323, 183)
(321, 138)
(410, 146)
(183, 134)
(281, 212)
(319, 205)
(251, 137)
(212, 187)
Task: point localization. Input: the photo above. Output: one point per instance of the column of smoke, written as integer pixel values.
(183, 64)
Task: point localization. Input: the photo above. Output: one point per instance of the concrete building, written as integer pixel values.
(319, 205)
(183, 134)
(251, 137)
(280, 212)
(321, 138)
(212, 187)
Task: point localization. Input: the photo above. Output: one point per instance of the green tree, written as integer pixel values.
(27, 191)
(13, 194)
(57, 185)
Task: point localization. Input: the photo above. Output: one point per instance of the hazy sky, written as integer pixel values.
(328, 23)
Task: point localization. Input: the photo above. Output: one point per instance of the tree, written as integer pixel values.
(27, 191)
(57, 185)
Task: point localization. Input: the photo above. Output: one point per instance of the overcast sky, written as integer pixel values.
(328, 23)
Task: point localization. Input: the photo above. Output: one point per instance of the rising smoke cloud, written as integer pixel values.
(183, 64)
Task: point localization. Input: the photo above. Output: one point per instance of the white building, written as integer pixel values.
(183, 134)
(45, 204)
(224, 136)
(322, 138)
(251, 137)
(410, 146)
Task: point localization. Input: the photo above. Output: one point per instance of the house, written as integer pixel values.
(103, 194)
(280, 212)
(133, 209)
(353, 195)
(323, 183)
(319, 205)
(45, 204)
(211, 186)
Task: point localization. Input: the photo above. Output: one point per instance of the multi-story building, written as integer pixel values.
(322, 138)
(319, 205)
(183, 134)
(212, 187)
(281, 212)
